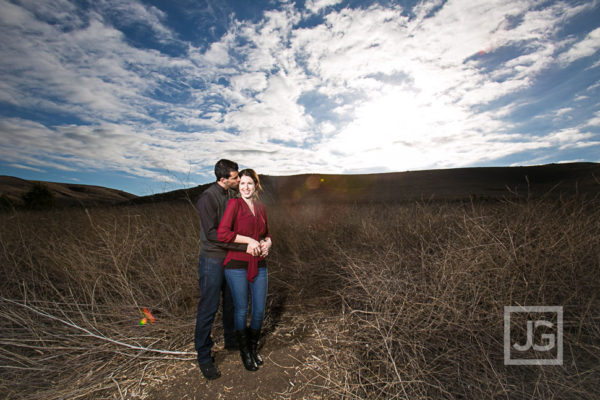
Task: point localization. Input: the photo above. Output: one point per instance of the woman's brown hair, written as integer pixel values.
(254, 176)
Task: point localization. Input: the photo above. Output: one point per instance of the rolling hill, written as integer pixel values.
(66, 194)
(485, 183)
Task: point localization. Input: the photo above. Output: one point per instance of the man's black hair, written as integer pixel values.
(223, 168)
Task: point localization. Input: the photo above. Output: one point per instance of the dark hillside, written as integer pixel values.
(66, 194)
(488, 183)
(180, 195)
(445, 184)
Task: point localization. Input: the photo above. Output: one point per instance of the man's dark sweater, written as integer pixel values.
(211, 207)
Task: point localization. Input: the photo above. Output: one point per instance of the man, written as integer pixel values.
(211, 207)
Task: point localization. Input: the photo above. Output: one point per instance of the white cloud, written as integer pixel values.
(316, 5)
(89, 147)
(217, 54)
(254, 81)
(570, 161)
(394, 91)
(426, 119)
(130, 13)
(26, 167)
(584, 48)
(286, 119)
(89, 72)
(568, 137)
(327, 127)
(594, 86)
(595, 120)
(563, 111)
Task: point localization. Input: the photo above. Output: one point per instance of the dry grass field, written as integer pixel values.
(381, 301)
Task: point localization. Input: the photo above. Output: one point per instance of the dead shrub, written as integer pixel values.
(424, 289)
(411, 296)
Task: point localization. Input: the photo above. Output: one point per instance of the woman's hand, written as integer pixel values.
(254, 248)
(265, 246)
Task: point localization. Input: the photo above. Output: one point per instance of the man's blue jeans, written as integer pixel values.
(212, 286)
(239, 285)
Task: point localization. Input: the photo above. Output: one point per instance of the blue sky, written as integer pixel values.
(145, 96)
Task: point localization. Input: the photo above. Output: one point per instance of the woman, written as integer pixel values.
(245, 221)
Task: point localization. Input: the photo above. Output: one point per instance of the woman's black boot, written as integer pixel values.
(254, 335)
(247, 359)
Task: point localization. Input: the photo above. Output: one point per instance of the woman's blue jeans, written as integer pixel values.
(240, 286)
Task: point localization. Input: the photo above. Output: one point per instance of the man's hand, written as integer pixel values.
(253, 248)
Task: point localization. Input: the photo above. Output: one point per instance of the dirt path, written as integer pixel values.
(288, 350)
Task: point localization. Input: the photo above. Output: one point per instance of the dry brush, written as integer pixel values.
(415, 293)
(422, 289)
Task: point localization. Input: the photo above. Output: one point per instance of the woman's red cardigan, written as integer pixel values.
(239, 220)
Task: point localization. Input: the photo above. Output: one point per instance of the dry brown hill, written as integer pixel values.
(486, 183)
(66, 194)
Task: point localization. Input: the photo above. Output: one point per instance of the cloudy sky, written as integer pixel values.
(146, 96)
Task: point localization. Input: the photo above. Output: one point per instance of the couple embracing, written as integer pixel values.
(234, 240)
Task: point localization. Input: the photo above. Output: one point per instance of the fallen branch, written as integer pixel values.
(89, 333)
